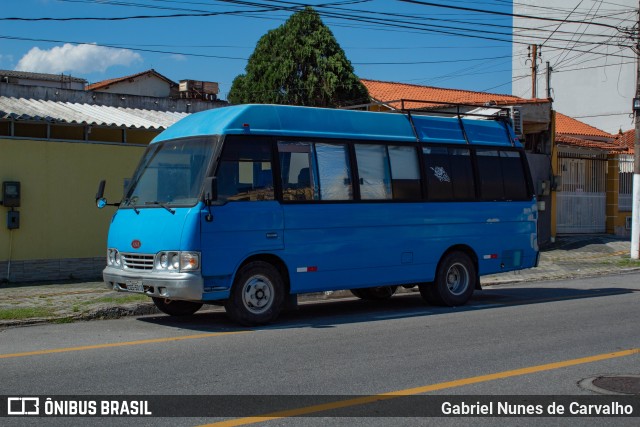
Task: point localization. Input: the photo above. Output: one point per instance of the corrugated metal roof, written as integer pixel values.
(86, 114)
(41, 76)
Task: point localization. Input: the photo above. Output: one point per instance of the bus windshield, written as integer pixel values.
(171, 173)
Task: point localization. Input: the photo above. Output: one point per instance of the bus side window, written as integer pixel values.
(449, 173)
(405, 173)
(297, 171)
(374, 172)
(244, 172)
(334, 172)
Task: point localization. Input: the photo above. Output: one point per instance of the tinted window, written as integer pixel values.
(405, 173)
(490, 174)
(502, 175)
(449, 173)
(244, 172)
(515, 183)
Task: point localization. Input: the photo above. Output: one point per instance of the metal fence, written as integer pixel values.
(625, 191)
(582, 197)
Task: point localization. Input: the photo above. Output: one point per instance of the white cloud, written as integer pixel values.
(177, 57)
(84, 58)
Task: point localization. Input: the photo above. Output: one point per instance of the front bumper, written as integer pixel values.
(179, 286)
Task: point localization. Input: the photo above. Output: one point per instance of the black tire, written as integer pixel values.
(257, 294)
(454, 283)
(376, 294)
(176, 307)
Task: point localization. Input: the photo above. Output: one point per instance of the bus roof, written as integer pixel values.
(285, 120)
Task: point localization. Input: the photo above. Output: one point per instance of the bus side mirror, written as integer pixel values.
(210, 190)
(101, 202)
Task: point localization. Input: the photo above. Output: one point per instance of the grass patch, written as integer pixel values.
(64, 320)
(628, 262)
(25, 313)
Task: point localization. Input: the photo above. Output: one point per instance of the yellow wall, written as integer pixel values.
(58, 217)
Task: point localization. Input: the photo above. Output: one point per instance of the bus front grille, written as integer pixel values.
(141, 262)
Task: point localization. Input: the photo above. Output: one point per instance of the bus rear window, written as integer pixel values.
(502, 175)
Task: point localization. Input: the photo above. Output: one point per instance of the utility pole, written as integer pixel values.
(549, 69)
(534, 71)
(635, 214)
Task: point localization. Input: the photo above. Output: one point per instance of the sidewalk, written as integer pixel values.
(23, 304)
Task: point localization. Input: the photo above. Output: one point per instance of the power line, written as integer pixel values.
(493, 12)
(116, 46)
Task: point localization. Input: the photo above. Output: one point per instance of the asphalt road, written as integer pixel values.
(538, 338)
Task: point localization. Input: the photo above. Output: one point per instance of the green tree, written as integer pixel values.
(299, 63)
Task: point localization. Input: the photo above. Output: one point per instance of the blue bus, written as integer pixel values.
(248, 206)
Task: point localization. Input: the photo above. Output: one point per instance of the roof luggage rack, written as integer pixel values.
(502, 113)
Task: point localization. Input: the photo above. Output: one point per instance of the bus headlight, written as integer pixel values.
(113, 258)
(189, 261)
(164, 260)
(177, 261)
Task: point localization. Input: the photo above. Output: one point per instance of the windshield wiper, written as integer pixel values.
(162, 204)
(127, 202)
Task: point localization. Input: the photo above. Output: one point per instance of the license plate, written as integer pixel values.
(134, 286)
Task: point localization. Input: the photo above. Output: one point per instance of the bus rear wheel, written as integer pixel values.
(376, 293)
(176, 307)
(455, 281)
(257, 294)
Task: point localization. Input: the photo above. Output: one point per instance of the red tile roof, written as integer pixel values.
(570, 131)
(611, 147)
(569, 126)
(386, 92)
(105, 83)
(627, 139)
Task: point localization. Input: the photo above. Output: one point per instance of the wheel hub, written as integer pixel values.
(457, 279)
(258, 294)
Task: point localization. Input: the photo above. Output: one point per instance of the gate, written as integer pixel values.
(582, 197)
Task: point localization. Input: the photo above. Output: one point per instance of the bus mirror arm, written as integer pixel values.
(210, 190)
(210, 194)
(101, 201)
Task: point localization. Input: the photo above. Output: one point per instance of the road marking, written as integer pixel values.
(419, 390)
(118, 344)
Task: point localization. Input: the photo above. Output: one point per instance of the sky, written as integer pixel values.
(385, 40)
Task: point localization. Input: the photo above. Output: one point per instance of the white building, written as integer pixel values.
(593, 68)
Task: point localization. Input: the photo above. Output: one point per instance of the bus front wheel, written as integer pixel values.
(454, 283)
(175, 307)
(257, 294)
(377, 293)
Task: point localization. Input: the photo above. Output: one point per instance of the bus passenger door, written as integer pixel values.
(247, 219)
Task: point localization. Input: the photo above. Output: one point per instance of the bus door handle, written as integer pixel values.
(272, 235)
